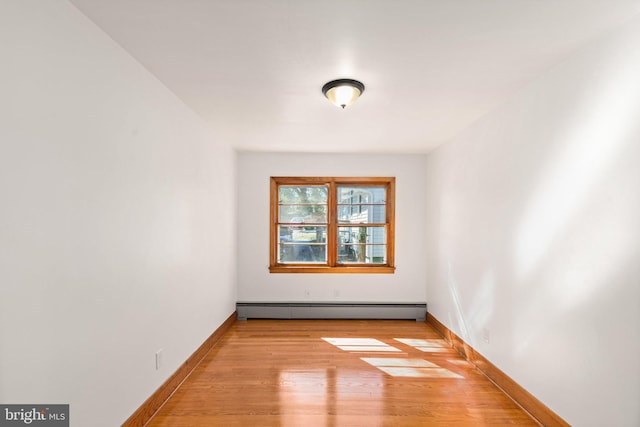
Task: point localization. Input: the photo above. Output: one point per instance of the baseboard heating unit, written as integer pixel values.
(295, 310)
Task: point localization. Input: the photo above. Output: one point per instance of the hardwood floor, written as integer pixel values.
(317, 373)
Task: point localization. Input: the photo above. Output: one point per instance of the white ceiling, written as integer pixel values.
(253, 69)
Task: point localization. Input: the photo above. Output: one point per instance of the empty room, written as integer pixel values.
(338, 213)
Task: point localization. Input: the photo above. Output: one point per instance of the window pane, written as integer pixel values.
(315, 194)
(302, 244)
(303, 204)
(368, 235)
(357, 195)
(302, 234)
(362, 254)
(314, 214)
(362, 214)
(362, 245)
(302, 253)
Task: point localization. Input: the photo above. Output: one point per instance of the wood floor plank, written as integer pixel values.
(336, 373)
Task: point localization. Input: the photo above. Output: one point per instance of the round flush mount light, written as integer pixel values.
(343, 92)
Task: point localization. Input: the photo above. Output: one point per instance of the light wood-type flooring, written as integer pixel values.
(315, 373)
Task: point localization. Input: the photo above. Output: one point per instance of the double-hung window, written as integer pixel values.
(332, 225)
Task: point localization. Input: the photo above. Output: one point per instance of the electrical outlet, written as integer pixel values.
(307, 293)
(158, 359)
(336, 293)
(486, 335)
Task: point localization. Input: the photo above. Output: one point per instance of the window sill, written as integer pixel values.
(384, 269)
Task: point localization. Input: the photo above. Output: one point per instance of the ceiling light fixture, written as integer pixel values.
(343, 92)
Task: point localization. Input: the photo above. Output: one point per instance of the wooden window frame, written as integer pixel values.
(332, 265)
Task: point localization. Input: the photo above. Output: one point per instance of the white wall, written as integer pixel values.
(533, 226)
(256, 284)
(116, 220)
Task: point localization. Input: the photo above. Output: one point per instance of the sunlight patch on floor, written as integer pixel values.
(426, 346)
(368, 345)
(417, 368)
